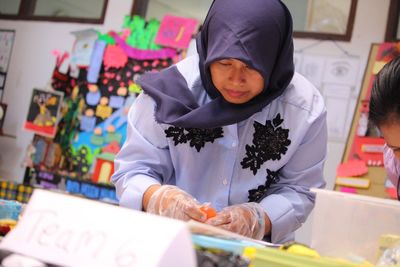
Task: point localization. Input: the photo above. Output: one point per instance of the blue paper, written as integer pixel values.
(96, 61)
(88, 123)
(116, 101)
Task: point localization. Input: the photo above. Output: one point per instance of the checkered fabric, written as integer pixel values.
(14, 191)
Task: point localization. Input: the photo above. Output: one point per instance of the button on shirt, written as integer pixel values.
(215, 173)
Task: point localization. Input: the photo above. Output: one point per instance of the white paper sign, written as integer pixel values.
(72, 231)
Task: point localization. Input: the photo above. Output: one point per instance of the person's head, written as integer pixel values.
(246, 50)
(384, 106)
(237, 82)
(245, 55)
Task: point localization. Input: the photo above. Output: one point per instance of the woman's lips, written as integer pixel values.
(234, 93)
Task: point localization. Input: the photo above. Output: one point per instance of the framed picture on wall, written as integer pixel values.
(3, 108)
(6, 43)
(43, 113)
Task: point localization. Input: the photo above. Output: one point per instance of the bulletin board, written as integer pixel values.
(379, 55)
(75, 144)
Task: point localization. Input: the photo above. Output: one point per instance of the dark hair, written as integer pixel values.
(384, 105)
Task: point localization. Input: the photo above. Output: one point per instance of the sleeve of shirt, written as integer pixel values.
(289, 202)
(144, 159)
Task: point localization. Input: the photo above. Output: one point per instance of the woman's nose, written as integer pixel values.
(237, 76)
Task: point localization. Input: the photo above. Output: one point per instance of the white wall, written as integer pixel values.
(32, 64)
(369, 27)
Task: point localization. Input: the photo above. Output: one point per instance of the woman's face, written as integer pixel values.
(391, 134)
(236, 81)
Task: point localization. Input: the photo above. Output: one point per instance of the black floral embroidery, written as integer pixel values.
(197, 137)
(270, 141)
(255, 195)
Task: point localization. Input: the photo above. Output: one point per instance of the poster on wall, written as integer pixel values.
(336, 78)
(6, 43)
(43, 113)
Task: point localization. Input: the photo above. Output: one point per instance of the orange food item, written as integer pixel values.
(210, 211)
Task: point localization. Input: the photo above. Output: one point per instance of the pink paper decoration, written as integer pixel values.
(115, 57)
(352, 168)
(175, 31)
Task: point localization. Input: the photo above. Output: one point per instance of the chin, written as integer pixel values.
(236, 101)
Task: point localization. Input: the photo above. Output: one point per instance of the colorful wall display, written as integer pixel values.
(96, 99)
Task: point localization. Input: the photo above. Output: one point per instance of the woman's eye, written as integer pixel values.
(224, 63)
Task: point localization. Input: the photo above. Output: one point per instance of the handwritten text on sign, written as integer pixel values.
(71, 231)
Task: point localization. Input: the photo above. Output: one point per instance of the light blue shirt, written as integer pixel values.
(217, 173)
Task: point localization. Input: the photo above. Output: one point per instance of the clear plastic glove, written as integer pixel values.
(170, 201)
(246, 219)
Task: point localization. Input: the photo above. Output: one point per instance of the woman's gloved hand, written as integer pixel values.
(246, 219)
(170, 201)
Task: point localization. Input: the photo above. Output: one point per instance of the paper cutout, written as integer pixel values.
(74, 70)
(140, 54)
(372, 148)
(43, 112)
(93, 98)
(392, 192)
(106, 38)
(88, 123)
(102, 192)
(113, 148)
(62, 62)
(90, 191)
(47, 185)
(371, 159)
(348, 190)
(353, 182)
(378, 65)
(135, 88)
(40, 147)
(104, 168)
(122, 91)
(103, 111)
(83, 47)
(96, 140)
(115, 57)
(72, 236)
(96, 61)
(175, 31)
(352, 168)
(111, 137)
(116, 101)
(53, 155)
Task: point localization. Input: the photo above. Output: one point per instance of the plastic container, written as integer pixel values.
(350, 226)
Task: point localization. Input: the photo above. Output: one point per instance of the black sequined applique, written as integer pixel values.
(197, 137)
(255, 195)
(270, 141)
